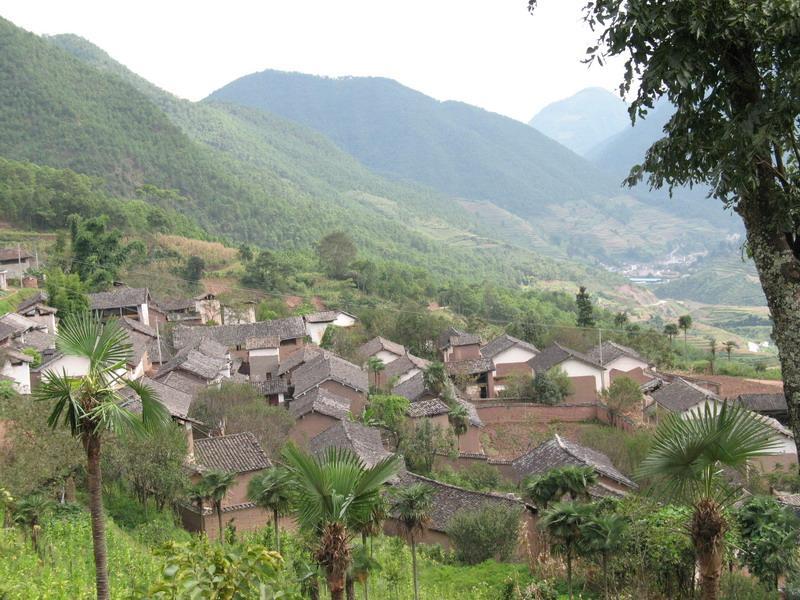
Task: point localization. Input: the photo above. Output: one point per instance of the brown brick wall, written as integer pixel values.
(308, 426)
(289, 347)
(492, 412)
(357, 399)
(584, 389)
(471, 441)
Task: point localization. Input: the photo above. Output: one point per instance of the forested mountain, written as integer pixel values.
(583, 120)
(480, 156)
(241, 174)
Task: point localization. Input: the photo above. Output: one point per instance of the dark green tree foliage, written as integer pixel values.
(267, 271)
(151, 467)
(39, 197)
(66, 292)
(585, 308)
(419, 444)
(527, 328)
(769, 539)
(550, 387)
(389, 412)
(489, 532)
(731, 72)
(195, 267)
(336, 252)
(98, 253)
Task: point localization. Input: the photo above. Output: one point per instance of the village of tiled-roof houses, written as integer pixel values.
(326, 394)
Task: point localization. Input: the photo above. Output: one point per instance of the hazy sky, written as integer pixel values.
(490, 53)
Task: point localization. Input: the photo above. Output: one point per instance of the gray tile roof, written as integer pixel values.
(237, 453)
(14, 254)
(556, 354)
(681, 395)
(413, 388)
(450, 499)
(34, 303)
(455, 337)
(300, 357)
(321, 401)
(121, 297)
(6, 331)
(376, 344)
(427, 408)
(39, 339)
(612, 351)
(174, 304)
(260, 343)
(18, 323)
(177, 402)
(764, 402)
(269, 387)
(329, 368)
(470, 366)
(364, 441)
(237, 335)
(326, 316)
(183, 381)
(404, 364)
(503, 343)
(205, 358)
(560, 452)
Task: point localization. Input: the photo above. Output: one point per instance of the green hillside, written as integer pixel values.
(720, 278)
(239, 174)
(476, 155)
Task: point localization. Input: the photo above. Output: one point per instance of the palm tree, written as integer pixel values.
(375, 365)
(336, 497)
(459, 419)
(685, 323)
(686, 462)
(541, 490)
(670, 330)
(412, 506)
(197, 496)
(603, 535)
(362, 567)
(272, 490)
(563, 522)
(90, 405)
(712, 348)
(29, 513)
(213, 486)
(435, 377)
(575, 481)
(729, 346)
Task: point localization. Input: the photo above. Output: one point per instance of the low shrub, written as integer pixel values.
(490, 532)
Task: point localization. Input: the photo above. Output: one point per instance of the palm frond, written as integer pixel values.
(107, 415)
(155, 416)
(106, 346)
(60, 391)
(689, 453)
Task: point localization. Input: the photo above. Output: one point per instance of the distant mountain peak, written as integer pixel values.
(584, 120)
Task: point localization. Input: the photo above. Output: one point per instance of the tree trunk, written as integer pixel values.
(605, 576)
(569, 573)
(350, 588)
(779, 271)
(708, 530)
(96, 509)
(414, 568)
(277, 533)
(313, 590)
(218, 508)
(366, 578)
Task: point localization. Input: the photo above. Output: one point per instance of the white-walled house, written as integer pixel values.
(15, 366)
(378, 347)
(36, 309)
(616, 357)
(588, 376)
(317, 323)
(510, 356)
